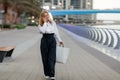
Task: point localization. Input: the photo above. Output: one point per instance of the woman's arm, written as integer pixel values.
(57, 35)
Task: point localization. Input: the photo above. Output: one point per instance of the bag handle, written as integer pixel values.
(61, 45)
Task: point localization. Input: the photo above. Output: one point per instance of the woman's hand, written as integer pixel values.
(61, 44)
(47, 20)
(44, 19)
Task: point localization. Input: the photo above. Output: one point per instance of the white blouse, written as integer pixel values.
(50, 28)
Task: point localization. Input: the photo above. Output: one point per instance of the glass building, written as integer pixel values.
(55, 2)
(68, 4)
(71, 4)
(81, 4)
(75, 3)
(47, 0)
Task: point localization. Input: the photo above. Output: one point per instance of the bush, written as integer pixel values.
(0, 26)
(6, 26)
(20, 26)
(33, 24)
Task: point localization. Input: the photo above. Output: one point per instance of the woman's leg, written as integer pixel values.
(44, 55)
(52, 58)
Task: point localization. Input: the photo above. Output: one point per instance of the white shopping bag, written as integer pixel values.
(62, 54)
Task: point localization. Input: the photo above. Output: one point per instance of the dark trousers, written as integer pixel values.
(48, 53)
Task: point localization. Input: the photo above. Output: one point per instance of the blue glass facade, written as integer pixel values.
(64, 4)
(47, 0)
(75, 3)
(84, 4)
(55, 2)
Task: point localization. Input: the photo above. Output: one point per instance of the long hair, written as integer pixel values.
(41, 21)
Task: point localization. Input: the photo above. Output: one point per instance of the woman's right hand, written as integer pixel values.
(45, 20)
(61, 44)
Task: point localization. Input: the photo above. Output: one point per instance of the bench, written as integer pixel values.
(6, 52)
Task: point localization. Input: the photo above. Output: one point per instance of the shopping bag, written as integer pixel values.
(62, 54)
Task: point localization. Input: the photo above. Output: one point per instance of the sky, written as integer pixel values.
(106, 4)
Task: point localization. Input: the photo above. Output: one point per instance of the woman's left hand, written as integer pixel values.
(61, 44)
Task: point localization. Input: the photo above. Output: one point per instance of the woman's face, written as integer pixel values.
(46, 16)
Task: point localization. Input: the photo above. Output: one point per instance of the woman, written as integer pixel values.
(48, 44)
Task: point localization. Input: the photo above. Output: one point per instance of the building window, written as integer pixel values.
(55, 2)
(84, 4)
(47, 0)
(64, 4)
(76, 3)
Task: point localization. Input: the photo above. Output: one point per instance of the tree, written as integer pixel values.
(14, 8)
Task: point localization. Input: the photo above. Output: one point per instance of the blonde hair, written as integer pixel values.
(41, 21)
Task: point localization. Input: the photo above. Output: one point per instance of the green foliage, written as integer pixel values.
(33, 24)
(0, 26)
(20, 26)
(6, 26)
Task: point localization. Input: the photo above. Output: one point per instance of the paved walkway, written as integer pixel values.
(81, 64)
